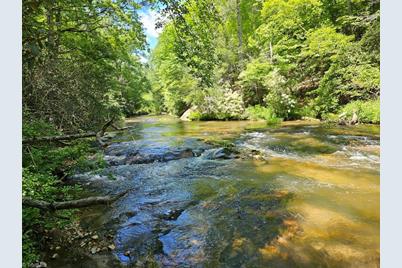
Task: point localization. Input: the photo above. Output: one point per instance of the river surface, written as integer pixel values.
(299, 194)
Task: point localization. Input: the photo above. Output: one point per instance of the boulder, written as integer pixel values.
(186, 115)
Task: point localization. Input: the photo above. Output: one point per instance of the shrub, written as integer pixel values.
(367, 111)
(252, 81)
(220, 104)
(279, 97)
(307, 110)
(258, 112)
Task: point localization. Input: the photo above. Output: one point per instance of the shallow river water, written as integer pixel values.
(300, 194)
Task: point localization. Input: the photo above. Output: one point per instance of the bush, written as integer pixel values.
(279, 97)
(46, 187)
(220, 104)
(367, 111)
(252, 81)
(258, 112)
(307, 110)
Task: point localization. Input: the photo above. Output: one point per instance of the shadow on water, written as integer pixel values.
(295, 195)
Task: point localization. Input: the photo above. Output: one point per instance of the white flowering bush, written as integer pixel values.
(279, 97)
(221, 104)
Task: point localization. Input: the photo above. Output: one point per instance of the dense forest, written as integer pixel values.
(269, 60)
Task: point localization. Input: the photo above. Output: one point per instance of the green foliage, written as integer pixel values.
(78, 63)
(29, 250)
(367, 111)
(171, 80)
(42, 186)
(43, 167)
(279, 97)
(38, 185)
(262, 113)
(297, 57)
(253, 81)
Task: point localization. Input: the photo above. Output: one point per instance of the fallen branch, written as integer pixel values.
(79, 203)
(58, 138)
(62, 138)
(118, 128)
(100, 133)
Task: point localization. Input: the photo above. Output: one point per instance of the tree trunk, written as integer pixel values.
(58, 138)
(239, 30)
(271, 53)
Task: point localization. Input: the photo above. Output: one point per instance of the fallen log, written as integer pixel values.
(118, 128)
(79, 203)
(58, 138)
(98, 135)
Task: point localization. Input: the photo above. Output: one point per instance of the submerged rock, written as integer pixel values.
(172, 215)
(219, 153)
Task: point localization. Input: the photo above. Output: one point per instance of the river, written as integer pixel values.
(298, 194)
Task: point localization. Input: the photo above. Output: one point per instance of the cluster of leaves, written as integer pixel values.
(296, 57)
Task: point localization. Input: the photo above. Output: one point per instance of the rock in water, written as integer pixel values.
(219, 153)
(186, 115)
(172, 215)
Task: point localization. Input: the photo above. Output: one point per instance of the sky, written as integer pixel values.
(148, 19)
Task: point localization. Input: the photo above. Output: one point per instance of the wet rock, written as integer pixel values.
(172, 215)
(127, 253)
(156, 155)
(130, 214)
(219, 153)
(111, 247)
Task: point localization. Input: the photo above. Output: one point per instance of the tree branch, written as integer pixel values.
(98, 136)
(79, 203)
(58, 138)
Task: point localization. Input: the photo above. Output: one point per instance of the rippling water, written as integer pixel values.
(300, 194)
